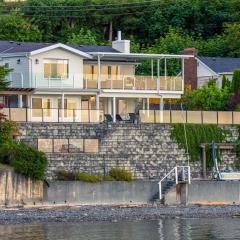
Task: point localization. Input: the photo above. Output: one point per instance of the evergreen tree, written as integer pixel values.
(236, 81)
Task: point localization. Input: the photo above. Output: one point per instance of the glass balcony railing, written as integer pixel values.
(195, 117)
(89, 81)
(131, 82)
(53, 115)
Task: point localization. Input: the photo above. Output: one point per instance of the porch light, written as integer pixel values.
(19, 61)
(36, 61)
(92, 98)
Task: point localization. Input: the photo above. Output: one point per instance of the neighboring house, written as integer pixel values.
(201, 69)
(86, 79)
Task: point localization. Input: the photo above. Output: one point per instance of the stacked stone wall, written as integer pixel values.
(147, 150)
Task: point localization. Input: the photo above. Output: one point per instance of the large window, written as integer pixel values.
(41, 107)
(56, 68)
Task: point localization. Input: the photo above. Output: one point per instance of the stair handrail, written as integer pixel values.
(175, 169)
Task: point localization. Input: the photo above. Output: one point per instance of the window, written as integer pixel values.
(69, 105)
(56, 68)
(41, 103)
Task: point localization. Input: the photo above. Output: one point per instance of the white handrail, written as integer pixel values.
(175, 170)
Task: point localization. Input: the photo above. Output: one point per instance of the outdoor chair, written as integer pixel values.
(108, 118)
(133, 117)
(119, 118)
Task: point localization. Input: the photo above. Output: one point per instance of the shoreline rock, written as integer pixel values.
(112, 213)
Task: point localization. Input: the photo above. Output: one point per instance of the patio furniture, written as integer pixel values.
(108, 118)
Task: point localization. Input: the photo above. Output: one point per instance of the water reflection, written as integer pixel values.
(166, 229)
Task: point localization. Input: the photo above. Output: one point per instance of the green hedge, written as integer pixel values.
(115, 174)
(24, 159)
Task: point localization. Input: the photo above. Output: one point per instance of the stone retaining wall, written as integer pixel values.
(145, 149)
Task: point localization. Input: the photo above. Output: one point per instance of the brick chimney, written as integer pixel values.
(190, 68)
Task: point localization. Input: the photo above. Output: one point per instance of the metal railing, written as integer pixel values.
(184, 170)
(195, 117)
(53, 115)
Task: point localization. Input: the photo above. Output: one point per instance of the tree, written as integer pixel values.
(225, 82)
(3, 72)
(209, 97)
(84, 37)
(16, 28)
(236, 81)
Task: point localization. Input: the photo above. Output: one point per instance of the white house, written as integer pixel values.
(79, 82)
(200, 69)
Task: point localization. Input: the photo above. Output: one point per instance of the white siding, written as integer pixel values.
(20, 70)
(75, 79)
(204, 74)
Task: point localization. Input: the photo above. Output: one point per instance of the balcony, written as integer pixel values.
(131, 82)
(120, 82)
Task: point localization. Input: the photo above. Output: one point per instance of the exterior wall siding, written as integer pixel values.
(75, 67)
(18, 68)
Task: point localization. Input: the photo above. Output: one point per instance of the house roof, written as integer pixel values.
(221, 64)
(27, 47)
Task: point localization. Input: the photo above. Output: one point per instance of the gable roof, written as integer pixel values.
(10, 47)
(221, 64)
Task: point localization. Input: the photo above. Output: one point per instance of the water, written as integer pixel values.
(168, 229)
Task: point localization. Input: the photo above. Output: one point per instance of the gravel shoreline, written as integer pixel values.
(112, 213)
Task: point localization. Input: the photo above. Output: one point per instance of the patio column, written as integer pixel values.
(80, 108)
(20, 103)
(148, 107)
(62, 106)
(97, 107)
(161, 109)
(143, 104)
(158, 75)
(183, 74)
(99, 72)
(114, 109)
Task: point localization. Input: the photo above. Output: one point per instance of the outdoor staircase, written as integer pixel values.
(167, 187)
(179, 174)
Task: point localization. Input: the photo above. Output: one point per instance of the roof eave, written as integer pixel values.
(63, 46)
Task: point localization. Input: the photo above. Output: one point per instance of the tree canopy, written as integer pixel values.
(158, 26)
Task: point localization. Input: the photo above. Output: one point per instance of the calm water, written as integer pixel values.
(148, 230)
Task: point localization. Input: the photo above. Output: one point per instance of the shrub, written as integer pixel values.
(24, 159)
(236, 81)
(225, 82)
(7, 130)
(120, 174)
(209, 97)
(65, 176)
(84, 177)
(78, 176)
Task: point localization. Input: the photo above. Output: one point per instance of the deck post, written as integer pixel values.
(204, 164)
(158, 75)
(114, 109)
(161, 109)
(99, 72)
(20, 103)
(97, 106)
(62, 106)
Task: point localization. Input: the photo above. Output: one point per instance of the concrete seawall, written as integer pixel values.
(205, 192)
(73, 192)
(16, 189)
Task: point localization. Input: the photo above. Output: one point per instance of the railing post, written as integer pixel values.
(160, 190)
(176, 175)
(21, 80)
(183, 174)
(189, 175)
